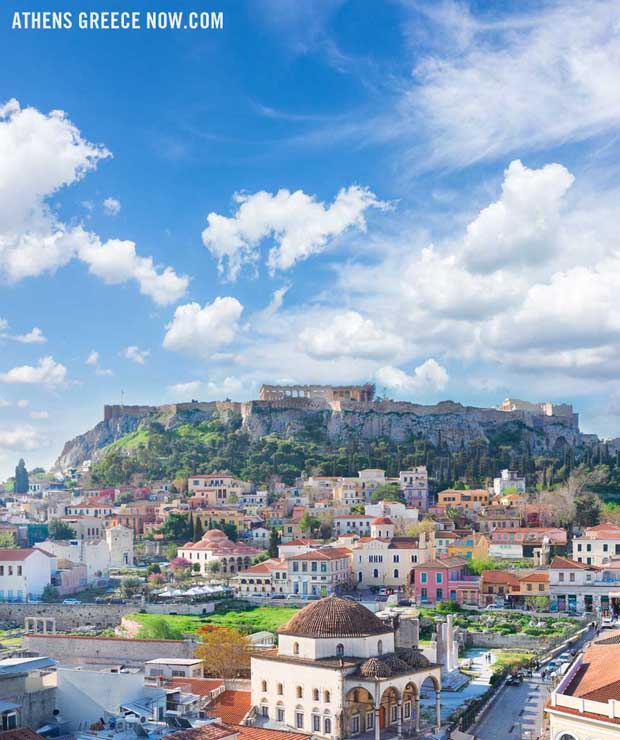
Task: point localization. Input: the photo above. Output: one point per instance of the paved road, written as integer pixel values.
(516, 711)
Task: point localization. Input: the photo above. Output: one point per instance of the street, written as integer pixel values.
(516, 711)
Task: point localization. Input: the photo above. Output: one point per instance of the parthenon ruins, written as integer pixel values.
(359, 393)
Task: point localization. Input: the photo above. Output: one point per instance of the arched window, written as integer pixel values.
(380, 647)
(280, 689)
(300, 692)
(295, 648)
(315, 694)
(263, 685)
(395, 572)
(375, 573)
(340, 650)
(327, 697)
(327, 726)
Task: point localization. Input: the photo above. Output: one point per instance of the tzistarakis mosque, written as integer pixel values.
(338, 672)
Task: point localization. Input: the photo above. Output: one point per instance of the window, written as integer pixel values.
(561, 577)
(300, 692)
(280, 689)
(263, 685)
(295, 648)
(579, 547)
(316, 723)
(439, 594)
(375, 573)
(299, 720)
(395, 572)
(264, 711)
(340, 650)
(380, 647)
(424, 594)
(541, 587)
(396, 559)
(355, 724)
(327, 697)
(424, 577)
(605, 547)
(588, 548)
(315, 694)
(439, 578)
(407, 709)
(571, 578)
(327, 726)
(280, 714)
(370, 720)
(394, 713)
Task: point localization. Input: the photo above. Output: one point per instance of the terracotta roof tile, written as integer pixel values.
(598, 678)
(334, 617)
(199, 686)
(20, 733)
(231, 706)
(261, 733)
(214, 731)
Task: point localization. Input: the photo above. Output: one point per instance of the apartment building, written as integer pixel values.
(597, 545)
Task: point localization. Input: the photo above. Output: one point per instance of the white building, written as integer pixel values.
(352, 523)
(119, 541)
(319, 572)
(173, 668)
(337, 673)
(94, 554)
(24, 573)
(585, 705)
(597, 545)
(399, 513)
(509, 480)
(414, 485)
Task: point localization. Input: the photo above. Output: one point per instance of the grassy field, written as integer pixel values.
(247, 621)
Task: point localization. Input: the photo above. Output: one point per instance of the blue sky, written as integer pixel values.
(418, 194)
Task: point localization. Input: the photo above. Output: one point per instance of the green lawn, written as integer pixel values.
(246, 621)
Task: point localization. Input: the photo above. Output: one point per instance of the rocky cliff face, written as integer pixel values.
(337, 424)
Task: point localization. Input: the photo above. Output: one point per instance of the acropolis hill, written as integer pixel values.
(340, 415)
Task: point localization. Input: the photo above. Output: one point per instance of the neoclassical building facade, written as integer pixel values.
(337, 673)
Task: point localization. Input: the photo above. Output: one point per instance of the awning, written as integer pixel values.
(136, 709)
(7, 706)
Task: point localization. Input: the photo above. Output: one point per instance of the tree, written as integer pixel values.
(230, 530)
(131, 587)
(537, 603)
(587, 510)
(415, 530)
(154, 568)
(196, 567)
(274, 541)
(7, 540)
(176, 527)
(59, 530)
(21, 477)
(50, 593)
(388, 492)
(214, 567)
(180, 568)
(308, 523)
(225, 652)
(198, 530)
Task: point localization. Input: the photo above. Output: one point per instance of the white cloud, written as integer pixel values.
(93, 358)
(116, 261)
(20, 438)
(35, 336)
(514, 83)
(103, 371)
(522, 225)
(135, 354)
(23, 403)
(4, 403)
(225, 388)
(350, 334)
(200, 331)
(39, 155)
(47, 372)
(430, 375)
(112, 206)
(39, 415)
(297, 224)
(186, 390)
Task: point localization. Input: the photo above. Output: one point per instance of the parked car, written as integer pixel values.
(515, 680)
(71, 601)
(278, 596)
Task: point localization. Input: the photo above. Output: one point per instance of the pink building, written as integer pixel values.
(444, 580)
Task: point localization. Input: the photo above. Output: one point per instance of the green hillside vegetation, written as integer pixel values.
(210, 446)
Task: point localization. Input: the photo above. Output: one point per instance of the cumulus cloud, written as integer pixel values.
(201, 331)
(39, 155)
(429, 376)
(35, 336)
(135, 354)
(116, 261)
(229, 386)
(20, 438)
(112, 206)
(4, 403)
(93, 358)
(46, 372)
(522, 225)
(297, 224)
(350, 334)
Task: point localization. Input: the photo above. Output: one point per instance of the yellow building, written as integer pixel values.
(471, 547)
(471, 499)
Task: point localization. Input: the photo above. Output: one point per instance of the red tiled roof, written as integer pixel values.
(199, 686)
(382, 520)
(300, 542)
(214, 731)
(560, 563)
(328, 553)
(21, 553)
(262, 733)
(598, 677)
(20, 733)
(537, 577)
(231, 706)
(499, 576)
